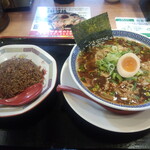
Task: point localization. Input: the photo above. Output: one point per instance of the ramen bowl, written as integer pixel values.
(123, 107)
(40, 58)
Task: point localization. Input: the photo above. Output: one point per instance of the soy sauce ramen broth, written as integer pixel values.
(96, 68)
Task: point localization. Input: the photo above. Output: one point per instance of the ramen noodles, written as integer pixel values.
(117, 70)
(16, 75)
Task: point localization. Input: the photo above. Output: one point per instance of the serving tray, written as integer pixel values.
(53, 123)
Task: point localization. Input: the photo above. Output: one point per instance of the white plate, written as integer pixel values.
(97, 115)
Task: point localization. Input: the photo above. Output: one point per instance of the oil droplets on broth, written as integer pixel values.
(120, 71)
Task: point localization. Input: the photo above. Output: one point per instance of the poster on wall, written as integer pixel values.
(56, 22)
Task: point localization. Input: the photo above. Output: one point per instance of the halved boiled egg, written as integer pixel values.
(128, 65)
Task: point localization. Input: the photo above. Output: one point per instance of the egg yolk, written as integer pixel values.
(129, 64)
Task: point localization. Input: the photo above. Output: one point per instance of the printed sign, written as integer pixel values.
(139, 25)
(56, 22)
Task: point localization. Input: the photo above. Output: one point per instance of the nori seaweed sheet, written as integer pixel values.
(91, 30)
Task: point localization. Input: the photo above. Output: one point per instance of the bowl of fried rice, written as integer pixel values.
(22, 66)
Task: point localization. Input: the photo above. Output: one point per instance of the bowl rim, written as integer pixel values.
(32, 105)
(134, 36)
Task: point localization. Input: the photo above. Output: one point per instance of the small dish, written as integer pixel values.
(40, 58)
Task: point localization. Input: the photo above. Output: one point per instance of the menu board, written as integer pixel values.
(56, 22)
(139, 25)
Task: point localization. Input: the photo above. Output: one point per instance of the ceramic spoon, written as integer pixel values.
(25, 97)
(79, 92)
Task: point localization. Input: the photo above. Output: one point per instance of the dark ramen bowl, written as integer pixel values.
(110, 105)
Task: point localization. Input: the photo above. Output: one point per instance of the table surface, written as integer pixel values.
(21, 22)
(53, 124)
